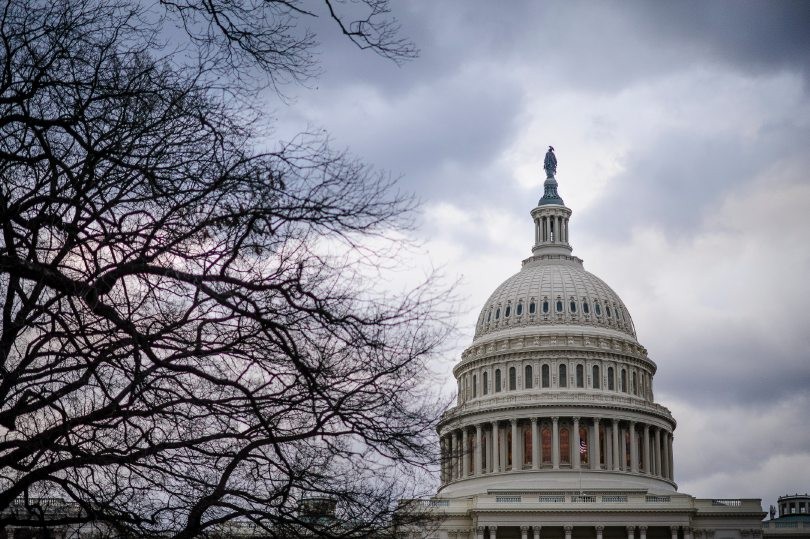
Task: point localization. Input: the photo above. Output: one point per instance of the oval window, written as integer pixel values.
(586, 308)
(507, 311)
(559, 306)
(519, 309)
(532, 308)
(573, 306)
(497, 313)
(598, 309)
(607, 310)
(545, 306)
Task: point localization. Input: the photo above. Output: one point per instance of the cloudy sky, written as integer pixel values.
(682, 131)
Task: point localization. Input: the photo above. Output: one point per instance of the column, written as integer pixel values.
(465, 453)
(478, 459)
(490, 445)
(687, 533)
(596, 455)
(657, 451)
(674, 532)
(671, 458)
(459, 456)
(631, 532)
(493, 532)
(494, 449)
(555, 442)
(479, 532)
(576, 444)
(524, 532)
(647, 449)
(536, 530)
(616, 444)
(633, 448)
(451, 460)
(535, 444)
(599, 530)
(502, 448)
(568, 530)
(642, 532)
(517, 460)
(537, 231)
(623, 443)
(665, 454)
(442, 460)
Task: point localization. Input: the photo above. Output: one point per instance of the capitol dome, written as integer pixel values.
(552, 292)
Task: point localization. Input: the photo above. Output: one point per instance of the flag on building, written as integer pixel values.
(583, 447)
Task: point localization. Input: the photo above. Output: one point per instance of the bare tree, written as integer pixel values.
(189, 336)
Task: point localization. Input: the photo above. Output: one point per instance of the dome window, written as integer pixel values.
(595, 377)
(586, 309)
(563, 376)
(532, 308)
(527, 377)
(512, 379)
(545, 306)
(573, 306)
(598, 309)
(508, 311)
(485, 385)
(559, 306)
(498, 313)
(580, 370)
(545, 371)
(519, 309)
(607, 311)
(489, 316)
(497, 380)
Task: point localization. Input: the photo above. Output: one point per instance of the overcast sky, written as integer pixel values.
(682, 132)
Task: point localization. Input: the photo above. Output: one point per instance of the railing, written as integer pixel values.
(614, 499)
(551, 499)
(728, 503)
(507, 499)
(657, 499)
(583, 499)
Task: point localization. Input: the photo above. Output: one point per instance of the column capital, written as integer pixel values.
(524, 529)
(480, 529)
(674, 529)
(513, 420)
(596, 420)
(631, 529)
(615, 421)
(555, 419)
(599, 528)
(576, 420)
(569, 528)
(642, 528)
(478, 427)
(533, 420)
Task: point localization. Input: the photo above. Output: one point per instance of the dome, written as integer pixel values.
(554, 291)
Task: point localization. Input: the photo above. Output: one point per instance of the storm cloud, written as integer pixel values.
(682, 131)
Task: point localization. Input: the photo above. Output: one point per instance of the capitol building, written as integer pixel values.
(556, 432)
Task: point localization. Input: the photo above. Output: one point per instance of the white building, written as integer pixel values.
(556, 433)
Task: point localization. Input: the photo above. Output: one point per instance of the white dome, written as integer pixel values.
(562, 293)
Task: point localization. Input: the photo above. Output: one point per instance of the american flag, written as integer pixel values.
(583, 447)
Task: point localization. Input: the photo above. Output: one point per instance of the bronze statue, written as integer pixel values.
(550, 163)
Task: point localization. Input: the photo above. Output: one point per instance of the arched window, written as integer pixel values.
(580, 376)
(628, 458)
(527, 446)
(565, 446)
(611, 380)
(624, 381)
(489, 316)
(584, 448)
(635, 387)
(532, 308)
(563, 376)
(607, 310)
(484, 453)
(595, 376)
(544, 370)
(497, 380)
(527, 377)
(475, 386)
(559, 306)
(512, 379)
(497, 313)
(519, 308)
(573, 306)
(485, 388)
(508, 310)
(545, 306)
(597, 308)
(545, 436)
(586, 309)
